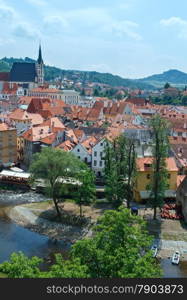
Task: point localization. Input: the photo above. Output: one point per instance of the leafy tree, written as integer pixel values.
(20, 266)
(85, 192)
(67, 269)
(96, 93)
(113, 180)
(130, 167)
(119, 248)
(184, 100)
(120, 170)
(159, 181)
(83, 92)
(167, 85)
(52, 165)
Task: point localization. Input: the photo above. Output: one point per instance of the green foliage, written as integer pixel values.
(172, 76)
(167, 85)
(20, 266)
(51, 165)
(86, 192)
(113, 180)
(52, 73)
(159, 179)
(67, 269)
(119, 248)
(120, 170)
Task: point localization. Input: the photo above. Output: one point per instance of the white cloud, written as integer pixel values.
(7, 13)
(14, 25)
(91, 20)
(126, 28)
(37, 2)
(25, 30)
(177, 23)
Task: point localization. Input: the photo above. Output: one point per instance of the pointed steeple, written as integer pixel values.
(40, 60)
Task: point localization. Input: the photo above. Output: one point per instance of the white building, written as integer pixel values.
(98, 153)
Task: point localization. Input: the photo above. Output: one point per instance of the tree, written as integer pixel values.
(96, 93)
(184, 100)
(21, 266)
(52, 165)
(130, 166)
(83, 92)
(120, 170)
(167, 85)
(71, 268)
(113, 180)
(85, 192)
(159, 181)
(120, 248)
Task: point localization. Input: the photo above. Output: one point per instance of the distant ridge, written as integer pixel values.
(175, 77)
(171, 76)
(52, 72)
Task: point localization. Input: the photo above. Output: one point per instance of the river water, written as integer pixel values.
(14, 238)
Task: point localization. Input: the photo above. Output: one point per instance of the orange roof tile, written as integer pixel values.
(141, 163)
(3, 127)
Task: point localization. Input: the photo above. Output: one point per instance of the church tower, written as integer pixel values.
(40, 68)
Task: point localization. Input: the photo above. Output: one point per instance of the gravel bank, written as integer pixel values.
(66, 233)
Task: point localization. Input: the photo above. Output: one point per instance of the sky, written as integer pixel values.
(130, 38)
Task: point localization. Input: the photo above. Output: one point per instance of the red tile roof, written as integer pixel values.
(141, 163)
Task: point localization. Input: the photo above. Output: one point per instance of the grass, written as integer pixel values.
(39, 205)
(2, 275)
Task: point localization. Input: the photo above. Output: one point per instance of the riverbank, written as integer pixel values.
(26, 218)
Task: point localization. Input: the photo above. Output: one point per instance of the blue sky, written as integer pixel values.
(131, 38)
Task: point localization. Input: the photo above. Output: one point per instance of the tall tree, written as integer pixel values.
(52, 165)
(119, 248)
(113, 180)
(159, 178)
(130, 166)
(120, 170)
(167, 85)
(86, 190)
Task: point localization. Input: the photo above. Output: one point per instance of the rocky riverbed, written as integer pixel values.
(56, 231)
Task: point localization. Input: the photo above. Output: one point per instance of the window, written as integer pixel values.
(95, 163)
(101, 144)
(100, 163)
(95, 153)
(148, 176)
(78, 150)
(169, 176)
(101, 154)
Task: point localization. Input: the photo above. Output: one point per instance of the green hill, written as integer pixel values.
(175, 77)
(52, 73)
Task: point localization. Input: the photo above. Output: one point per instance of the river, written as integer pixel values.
(14, 238)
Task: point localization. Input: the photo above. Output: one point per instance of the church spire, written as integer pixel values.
(40, 60)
